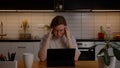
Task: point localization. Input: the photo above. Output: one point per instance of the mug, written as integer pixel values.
(28, 59)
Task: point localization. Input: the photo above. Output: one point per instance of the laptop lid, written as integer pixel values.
(60, 57)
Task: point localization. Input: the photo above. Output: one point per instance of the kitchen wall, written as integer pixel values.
(83, 25)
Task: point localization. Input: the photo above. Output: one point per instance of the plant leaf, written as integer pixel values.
(116, 53)
(92, 47)
(101, 51)
(47, 27)
(106, 58)
(115, 43)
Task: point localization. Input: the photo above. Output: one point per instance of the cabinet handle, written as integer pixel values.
(21, 47)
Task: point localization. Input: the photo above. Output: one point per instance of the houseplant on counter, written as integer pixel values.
(47, 27)
(25, 30)
(104, 54)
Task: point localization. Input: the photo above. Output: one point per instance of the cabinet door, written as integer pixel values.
(77, 4)
(18, 47)
(6, 47)
(8, 4)
(106, 4)
(117, 64)
(100, 46)
(97, 49)
(23, 47)
(36, 50)
(27, 4)
(35, 4)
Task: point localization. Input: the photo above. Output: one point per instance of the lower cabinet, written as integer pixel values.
(20, 48)
(100, 46)
(97, 49)
(117, 64)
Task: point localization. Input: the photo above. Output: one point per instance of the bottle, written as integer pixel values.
(101, 34)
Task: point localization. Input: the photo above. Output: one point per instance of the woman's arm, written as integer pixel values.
(72, 44)
(42, 54)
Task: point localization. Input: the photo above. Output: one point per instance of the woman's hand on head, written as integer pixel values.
(67, 32)
(50, 33)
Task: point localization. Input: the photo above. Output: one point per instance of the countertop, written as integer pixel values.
(38, 40)
(96, 40)
(19, 40)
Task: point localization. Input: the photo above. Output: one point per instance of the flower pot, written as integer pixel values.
(101, 63)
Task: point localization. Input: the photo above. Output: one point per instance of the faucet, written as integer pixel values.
(1, 33)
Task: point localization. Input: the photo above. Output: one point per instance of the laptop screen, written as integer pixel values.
(60, 57)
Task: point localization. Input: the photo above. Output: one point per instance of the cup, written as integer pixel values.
(28, 59)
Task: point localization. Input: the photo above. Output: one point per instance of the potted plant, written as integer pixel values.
(47, 27)
(104, 52)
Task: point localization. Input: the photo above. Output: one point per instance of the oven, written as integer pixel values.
(86, 54)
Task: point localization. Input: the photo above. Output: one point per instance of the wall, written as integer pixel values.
(83, 25)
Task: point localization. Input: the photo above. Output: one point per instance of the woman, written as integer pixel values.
(58, 37)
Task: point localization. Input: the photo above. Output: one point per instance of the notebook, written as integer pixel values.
(60, 57)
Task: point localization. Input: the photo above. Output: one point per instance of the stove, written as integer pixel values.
(86, 54)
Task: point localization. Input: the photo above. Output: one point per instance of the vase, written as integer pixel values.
(101, 63)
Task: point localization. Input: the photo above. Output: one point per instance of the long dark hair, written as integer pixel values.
(58, 20)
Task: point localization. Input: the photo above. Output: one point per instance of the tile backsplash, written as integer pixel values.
(83, 25)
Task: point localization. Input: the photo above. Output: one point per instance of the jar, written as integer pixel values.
(101, 35)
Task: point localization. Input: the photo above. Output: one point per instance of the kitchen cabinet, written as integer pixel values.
(20, 48)
(35, 4)
(100, 46)
(44, 4)
(27, 4)
(8, 4)
(78, 4)
(91, 5)
(106, 4)
(97, 49)
(118, 62)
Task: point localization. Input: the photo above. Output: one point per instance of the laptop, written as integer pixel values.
(60, 57)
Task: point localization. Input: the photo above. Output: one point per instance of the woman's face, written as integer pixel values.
(59, 31)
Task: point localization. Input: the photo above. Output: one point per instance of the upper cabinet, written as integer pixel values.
(35, 4)
(59, 5)
(8, 4)
(27, 4)
(106, 5)
(91, 5)
(78, 4)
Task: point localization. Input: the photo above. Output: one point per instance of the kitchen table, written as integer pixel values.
(78, 64)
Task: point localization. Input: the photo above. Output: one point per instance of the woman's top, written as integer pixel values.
(57, 42)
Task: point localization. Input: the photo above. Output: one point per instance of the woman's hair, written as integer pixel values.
(58, 20)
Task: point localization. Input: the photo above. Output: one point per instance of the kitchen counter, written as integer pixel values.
(19, 40)
(95, 40)
(78, 64)
(38, 40)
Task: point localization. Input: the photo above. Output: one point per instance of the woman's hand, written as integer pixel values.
(50, 33)
(45, 43)
(67, 32)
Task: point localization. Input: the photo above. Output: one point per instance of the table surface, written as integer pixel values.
(78, 64)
